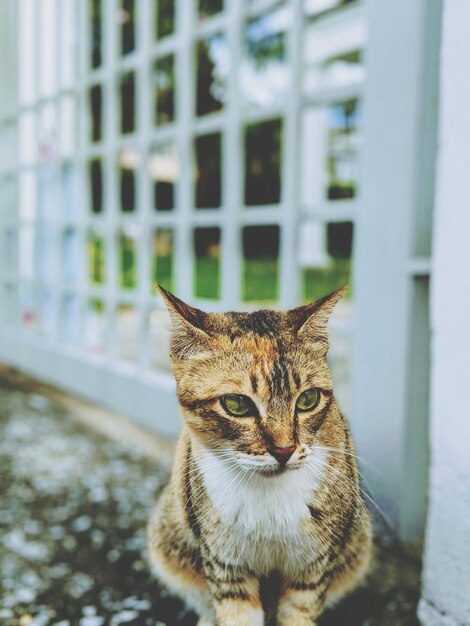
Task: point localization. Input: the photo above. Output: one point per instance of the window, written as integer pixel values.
(207, 263)
(263, 163)
(164, 171)
(213, 66)
(208, 192)
(137, 166)
(164, 81)
(164, 18)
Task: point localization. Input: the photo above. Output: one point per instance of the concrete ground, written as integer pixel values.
(73, 508)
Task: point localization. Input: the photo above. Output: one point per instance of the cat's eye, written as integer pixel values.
(308, 399)
(238, 405)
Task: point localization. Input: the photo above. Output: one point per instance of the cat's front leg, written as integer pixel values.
(235, 596)
(299, 604)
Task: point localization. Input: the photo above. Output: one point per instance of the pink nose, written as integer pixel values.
(282, 455)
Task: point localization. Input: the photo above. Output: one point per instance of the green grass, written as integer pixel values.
(260, 278)
(163, 271)
(319, 282)
(207, 278)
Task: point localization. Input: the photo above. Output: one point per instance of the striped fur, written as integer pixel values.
(231, 513)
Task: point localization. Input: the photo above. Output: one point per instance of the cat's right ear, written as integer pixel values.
(188, 337)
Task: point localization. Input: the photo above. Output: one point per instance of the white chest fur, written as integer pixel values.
(267, 506)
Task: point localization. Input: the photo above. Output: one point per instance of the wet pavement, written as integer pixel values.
(73, 510)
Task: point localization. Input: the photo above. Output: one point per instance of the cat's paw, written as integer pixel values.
(205, 622)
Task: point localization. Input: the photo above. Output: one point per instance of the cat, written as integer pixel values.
(265, 478)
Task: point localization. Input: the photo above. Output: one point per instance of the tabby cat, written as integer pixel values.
(265, 480)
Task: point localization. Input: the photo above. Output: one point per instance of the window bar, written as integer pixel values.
(80, 219)
(231, 270)
(52, 222)
(110, 206)
(144, 254)
(289, 271)
(185, 105)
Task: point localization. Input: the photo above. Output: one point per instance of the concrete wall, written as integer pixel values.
(446, 576)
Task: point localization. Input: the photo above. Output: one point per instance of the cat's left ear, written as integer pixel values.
(188, 337)
(311, 320)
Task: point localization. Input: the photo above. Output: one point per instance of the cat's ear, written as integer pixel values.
(310, 321)
(189, 336)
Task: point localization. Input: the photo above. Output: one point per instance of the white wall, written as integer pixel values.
(446, 576)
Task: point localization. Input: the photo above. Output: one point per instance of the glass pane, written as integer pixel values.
(127, 332)
(69, 188)
(68, 126)
(127, 20)
(27, 138)
(68, 41)
(96, 31)
(263, 163)
(127, 96)
(70, 319)
(48, 326)
(10, 250)
(162, 257)
(163, 169)
(343, 143)
(95, 326)
(26, 50)
(27, 194)
(207, 8)
(69, 263)
(8, 143)
(207, 263)
(9, 193)
(96, 112)
(164, 86)
(95, 172)
(28, 307)
(264, 73)
(335, 271)
(48, 57)
(9, 297)
(261, 261)
(159, 339)
(213, 67)
(96, 259)
(47, 191)
(127, 262)
(128, 161)
(44, 267)
(164, 18)
(26, 254)
(208, 171)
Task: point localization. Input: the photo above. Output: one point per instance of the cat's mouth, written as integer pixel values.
(276, 470)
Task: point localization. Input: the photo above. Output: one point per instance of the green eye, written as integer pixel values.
(237, 405)
(308, 400)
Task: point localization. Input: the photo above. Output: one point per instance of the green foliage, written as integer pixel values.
(163, 271)
(260, 281)
(319, 282)
(207, 277)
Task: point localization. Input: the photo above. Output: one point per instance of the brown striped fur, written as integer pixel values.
(231, 514)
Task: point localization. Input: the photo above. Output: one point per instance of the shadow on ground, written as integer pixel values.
(72, 531)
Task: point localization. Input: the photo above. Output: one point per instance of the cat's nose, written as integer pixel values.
(282, 455)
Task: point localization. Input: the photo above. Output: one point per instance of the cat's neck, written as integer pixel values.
(271, 505)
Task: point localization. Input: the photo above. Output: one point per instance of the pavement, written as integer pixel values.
(73, 509)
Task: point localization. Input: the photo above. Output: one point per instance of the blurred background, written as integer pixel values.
(243, 154)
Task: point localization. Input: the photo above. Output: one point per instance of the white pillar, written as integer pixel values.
(446, 576)
(392, 246)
